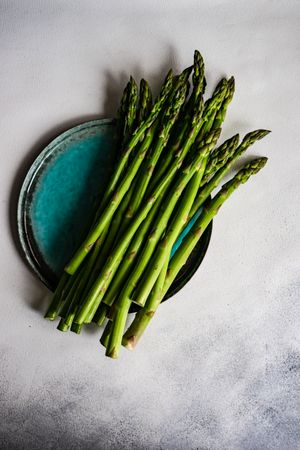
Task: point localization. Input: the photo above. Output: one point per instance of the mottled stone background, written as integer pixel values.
(219, 366)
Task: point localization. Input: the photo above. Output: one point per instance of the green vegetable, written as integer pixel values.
(143, 317)
(167, 169)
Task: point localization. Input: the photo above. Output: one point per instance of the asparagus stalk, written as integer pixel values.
(249, 139)
(207, 188)
(138, 134)
(128, 115)
(130, 256)
(104, 244)
(136, 194)
(211, 107)
(145, 314)
(216, 109)
(101, 314)
(180, 257)
(180, 133)
(109, 238)
(167, 208)
(219, 157)
(100, 286)
(97, 291)
(125, 121)
(169, 118)
(178, 97)
(227, 152)
(69, 306)
(76, 328)
(115, 200)
(108, 212)
(143, 317)
(57, 299)
(106, 333)
(133, 250)
(121, 307)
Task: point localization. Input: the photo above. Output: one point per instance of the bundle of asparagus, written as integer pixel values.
(168, 167)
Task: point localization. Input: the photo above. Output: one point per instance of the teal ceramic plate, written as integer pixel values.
(58, 197)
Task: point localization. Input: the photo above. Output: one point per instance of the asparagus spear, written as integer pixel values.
(115, 200)
(167, 208)
(147, 168)
(128, 115)
(67, 314)
(106, 333)
(199, 82)
(127, 111)
(248, 140)
(125, 121)
(56, 302)
(180, 257)
(180, 133)
(97, 291)
(101, 314)
(94, 265)
(122, 305)
(136, 194)
(95, 260)
(211, 107)
(131, 254)
(228, 152)
(167, 122)
(145, 314)
(221, 113)
(99, 288)
(145, 102)
(144, 109)
(207, 188)
(143, 317)
(139, 132)
(76, 328)
(219, 156)
(109, 239)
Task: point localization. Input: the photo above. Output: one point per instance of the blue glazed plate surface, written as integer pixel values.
(58, 198)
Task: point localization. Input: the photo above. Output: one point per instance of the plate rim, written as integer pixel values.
(27, 251)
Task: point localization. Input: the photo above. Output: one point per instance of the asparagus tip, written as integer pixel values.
(251, 168)
(231, 81)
